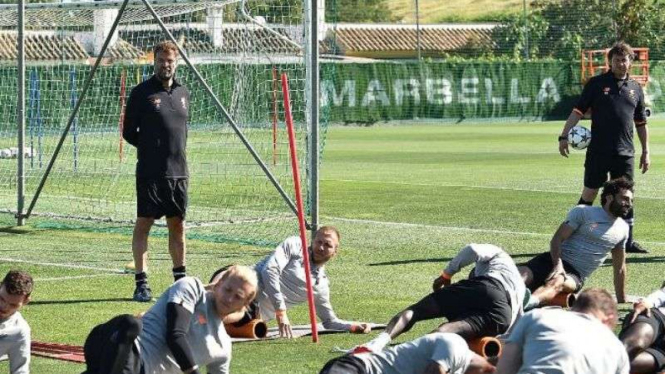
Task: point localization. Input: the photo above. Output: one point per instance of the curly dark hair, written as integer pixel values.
(18, 282)
(615, 186)
(621, 49)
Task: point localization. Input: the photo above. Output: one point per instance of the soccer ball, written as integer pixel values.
(579, 137)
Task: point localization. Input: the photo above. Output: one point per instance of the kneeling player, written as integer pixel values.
(431, 354)
(182, 331)
(643, 334)
(581, 245)
(486, 304)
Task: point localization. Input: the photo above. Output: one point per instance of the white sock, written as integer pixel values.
(377, 344)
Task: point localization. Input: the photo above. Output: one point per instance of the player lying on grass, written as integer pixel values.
(431, 354)
(180, 333)
(557, 341)
(282, 283)
(15, 291)
(643, 334)
(486, 304)
(581, 245)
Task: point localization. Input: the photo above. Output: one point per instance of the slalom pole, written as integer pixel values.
(121, 120)
(274, 116)
(299, 205)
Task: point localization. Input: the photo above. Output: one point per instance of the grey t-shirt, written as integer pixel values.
(282, 284)
(494, 262)
(210, 344)
(556, 341)
(448, 350)
(596, 234)
(15, 343)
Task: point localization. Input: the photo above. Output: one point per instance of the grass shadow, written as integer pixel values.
(15, 230)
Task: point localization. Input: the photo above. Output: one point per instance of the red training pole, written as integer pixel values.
(121, 121)
(274, 116)
(299, 205)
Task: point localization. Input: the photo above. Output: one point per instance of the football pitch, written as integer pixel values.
(406, 197)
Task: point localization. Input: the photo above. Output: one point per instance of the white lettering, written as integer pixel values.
(375, 92)
(412, 89)
(348, 89)
(515, 97)
(438, 91)
(548, 90)
(491, 99)
(469, 86)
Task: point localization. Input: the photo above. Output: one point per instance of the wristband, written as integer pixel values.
(355, 328)
(446, 276)
(563, 138)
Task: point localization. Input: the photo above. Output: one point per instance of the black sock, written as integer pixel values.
(630, 220)
(179, 272)
(141, 278)
(584, 202)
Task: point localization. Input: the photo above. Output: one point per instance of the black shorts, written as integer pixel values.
(541, 266)
(161, 197)
(657, 322)
(597, 167)
(101, 348)
(348, 364)
(482, 302)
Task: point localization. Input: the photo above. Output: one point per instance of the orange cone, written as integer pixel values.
(486, 346)
(254, 329)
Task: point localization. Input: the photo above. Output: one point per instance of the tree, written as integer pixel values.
(358, 11)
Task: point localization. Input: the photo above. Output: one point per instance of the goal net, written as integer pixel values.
(239, 48)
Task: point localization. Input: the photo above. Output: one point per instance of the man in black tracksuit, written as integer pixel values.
(156, 124)
(617, 102)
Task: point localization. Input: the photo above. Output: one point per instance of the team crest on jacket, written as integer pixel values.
(156, 102)
(631, 93)
(606, 90)
(184, 103)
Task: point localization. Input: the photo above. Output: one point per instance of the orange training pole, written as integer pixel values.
(299, 205)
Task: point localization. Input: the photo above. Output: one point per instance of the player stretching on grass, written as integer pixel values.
(617, 103)
(182, 332)
(581, 245)
(156, 124)
(432, 354)
(15, 291)
(282, 283)
(643, 334)
(557, 341)
(486, 304)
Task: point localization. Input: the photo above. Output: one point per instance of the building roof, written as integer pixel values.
(41, 47)
(367, 39)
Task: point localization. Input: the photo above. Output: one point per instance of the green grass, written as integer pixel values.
(433, 11)
(406, 198)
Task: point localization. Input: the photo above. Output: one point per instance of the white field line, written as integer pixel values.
(61, 265)
(475, 186)
(77, 277)
(452, 228)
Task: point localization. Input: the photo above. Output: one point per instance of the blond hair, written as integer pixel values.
(329, 229)
(245, 274)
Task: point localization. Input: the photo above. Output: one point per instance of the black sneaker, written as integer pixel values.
(142, 293)
(636, 248)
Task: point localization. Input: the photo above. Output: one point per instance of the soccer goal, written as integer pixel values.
(83, 58)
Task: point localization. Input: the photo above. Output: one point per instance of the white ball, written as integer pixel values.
(579, 137)
(260, 20)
